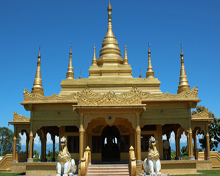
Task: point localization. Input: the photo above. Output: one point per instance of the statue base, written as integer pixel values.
(154, 174)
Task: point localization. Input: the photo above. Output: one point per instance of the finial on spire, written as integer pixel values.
(37, 86)
(80, 74)
(125, 61)
(183, 81)
(94, 60)
(140, 74)
(181, 53)
(150, 72)
(39, 56)
(70, 73)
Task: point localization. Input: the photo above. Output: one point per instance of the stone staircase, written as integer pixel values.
(108, 170)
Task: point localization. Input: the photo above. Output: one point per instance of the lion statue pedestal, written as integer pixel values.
(65, 165)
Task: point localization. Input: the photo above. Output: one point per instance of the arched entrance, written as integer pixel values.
(110, 144)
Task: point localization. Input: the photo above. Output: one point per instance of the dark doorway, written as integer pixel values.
(110, 144)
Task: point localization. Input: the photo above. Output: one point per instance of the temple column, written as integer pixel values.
(43, 145)
(53, 139)
(177, 139)
(138, 146)
(190, 148)
(30, 157)
(81, 138)
(207, 144)
(195, 144)
(14, 149)
(81, 141)
(27, 144)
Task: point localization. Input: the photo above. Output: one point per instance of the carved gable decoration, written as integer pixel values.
(110, 98)
(20, 118)
(134, 96)
(202, 115)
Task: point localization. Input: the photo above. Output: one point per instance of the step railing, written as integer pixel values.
(5, 163)
(132, 161)
(85, 161)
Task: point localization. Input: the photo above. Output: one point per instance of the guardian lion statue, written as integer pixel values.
(65, 165)
(152, 162)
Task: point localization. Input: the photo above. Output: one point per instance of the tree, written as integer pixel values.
(184, 152)
(213, 127)
(6, 141)
(173, 154)
(36, 153)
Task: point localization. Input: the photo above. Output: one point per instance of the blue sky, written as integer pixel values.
(55, 24)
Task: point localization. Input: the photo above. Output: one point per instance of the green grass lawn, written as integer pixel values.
(11, 174)
(203, 173)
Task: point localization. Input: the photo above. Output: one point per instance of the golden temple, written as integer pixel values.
(110, 111)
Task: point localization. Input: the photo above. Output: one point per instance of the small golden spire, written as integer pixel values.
(37, 86)
(94, 60)
(150, 72)
(140, 74)
(70, 73)
(183, 81)
(80, 74)
(125, 61)
(110, 42)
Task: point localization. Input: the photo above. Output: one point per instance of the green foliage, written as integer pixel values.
(204, 173)
(36, 153)
(184, 152)
(6, 141)
(49, 155)
(173, 154)
(213, 127)
(36, 159)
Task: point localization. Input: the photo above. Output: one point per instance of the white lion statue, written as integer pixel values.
(152, 162)
(65, 164)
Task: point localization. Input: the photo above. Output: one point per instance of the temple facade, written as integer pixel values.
(110, 111)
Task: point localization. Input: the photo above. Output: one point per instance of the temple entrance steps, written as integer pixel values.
(108, 170)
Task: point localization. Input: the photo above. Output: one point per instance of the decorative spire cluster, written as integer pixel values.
(125, 61)
(140, 74)
(150, 72)
(183, 83)
(70, 73)
(37, 86)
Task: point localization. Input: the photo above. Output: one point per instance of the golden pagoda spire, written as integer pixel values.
(80, 74)
(140, 74)
(150, 72)
(70, 74)
(37, 86)
(183, 83)
(125, 61)
(94, 60)
(110, 44)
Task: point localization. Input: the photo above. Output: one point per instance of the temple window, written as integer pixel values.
(124, 143)
(73, 144)
(97, 144)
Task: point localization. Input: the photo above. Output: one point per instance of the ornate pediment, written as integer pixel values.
(20, 118)
(202, 115)
(110, 98)
(134, 96)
